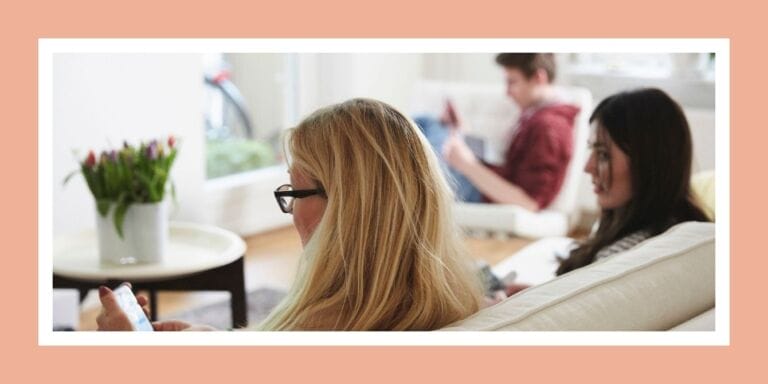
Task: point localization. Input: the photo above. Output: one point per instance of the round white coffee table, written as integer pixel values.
(198, 258)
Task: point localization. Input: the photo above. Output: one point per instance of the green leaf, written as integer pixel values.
(119, 219)
(148, 187)
(102, 205)
(91, 178)
(173, 195)
(71, 174)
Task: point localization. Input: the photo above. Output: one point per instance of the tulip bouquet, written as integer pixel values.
(130, 175)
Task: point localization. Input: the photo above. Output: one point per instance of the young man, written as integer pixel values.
(538, 152)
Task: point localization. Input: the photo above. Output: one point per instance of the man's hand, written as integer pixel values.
(449, 117)
(458, 155)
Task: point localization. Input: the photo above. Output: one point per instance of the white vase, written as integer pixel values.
(145, 235)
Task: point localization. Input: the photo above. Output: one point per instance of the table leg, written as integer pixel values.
(153, 305)
(238, 299)
(83, 293)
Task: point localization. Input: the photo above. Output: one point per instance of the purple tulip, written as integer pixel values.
(152, 150)
(113, 156)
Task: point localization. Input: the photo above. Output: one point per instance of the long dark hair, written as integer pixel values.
(651, 129)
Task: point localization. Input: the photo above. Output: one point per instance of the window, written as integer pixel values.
(642, 65)
(248, 104)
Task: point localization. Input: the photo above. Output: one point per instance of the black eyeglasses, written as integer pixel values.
(285, 195)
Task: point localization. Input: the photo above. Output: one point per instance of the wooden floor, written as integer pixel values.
(271, 261)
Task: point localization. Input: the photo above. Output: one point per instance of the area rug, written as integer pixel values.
(260, 302)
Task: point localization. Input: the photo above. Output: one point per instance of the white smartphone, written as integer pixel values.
(131, 307)
(509, 278)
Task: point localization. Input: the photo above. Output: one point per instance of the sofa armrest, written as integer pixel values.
(702, 322)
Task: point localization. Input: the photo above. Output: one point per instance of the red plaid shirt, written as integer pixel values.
(539, 152)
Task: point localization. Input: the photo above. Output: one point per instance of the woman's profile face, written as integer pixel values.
(609, 167)
(307, 211)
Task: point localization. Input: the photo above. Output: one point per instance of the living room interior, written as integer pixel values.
(228, 113)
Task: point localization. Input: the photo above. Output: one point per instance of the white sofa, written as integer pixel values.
(489, 114)
(665, 283)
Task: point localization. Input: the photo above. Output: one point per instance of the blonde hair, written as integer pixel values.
(386, 254)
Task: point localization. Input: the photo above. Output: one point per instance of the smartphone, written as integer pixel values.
(509, 278)
(453, 118)
(476, 145)
(127, 302)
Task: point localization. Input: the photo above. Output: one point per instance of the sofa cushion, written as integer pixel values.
(662, 282)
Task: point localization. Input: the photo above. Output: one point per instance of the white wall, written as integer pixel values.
(702, 124)
(464, 67)
(335, 77)
(262, 80)
(689, 92)
(99, 100)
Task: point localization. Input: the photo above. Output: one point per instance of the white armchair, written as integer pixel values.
(489, 114)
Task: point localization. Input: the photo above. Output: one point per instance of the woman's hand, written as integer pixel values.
(112, 317)
(511, 289)
(178, 325)
(498, 297)
(171, 326)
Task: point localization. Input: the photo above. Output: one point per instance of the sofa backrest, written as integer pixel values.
(657, 285)
(567, 199)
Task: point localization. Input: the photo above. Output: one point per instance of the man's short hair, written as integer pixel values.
(528, 63)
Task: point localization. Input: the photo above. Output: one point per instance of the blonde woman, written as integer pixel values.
(381, 251)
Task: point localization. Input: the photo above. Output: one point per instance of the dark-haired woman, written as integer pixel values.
(641, 171)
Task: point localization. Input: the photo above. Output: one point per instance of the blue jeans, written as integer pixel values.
(436, 134)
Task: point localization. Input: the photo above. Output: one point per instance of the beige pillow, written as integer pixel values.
(703, 186)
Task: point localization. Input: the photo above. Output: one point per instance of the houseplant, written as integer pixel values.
(129, 188)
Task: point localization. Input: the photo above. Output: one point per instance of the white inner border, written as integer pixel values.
(48, 47)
